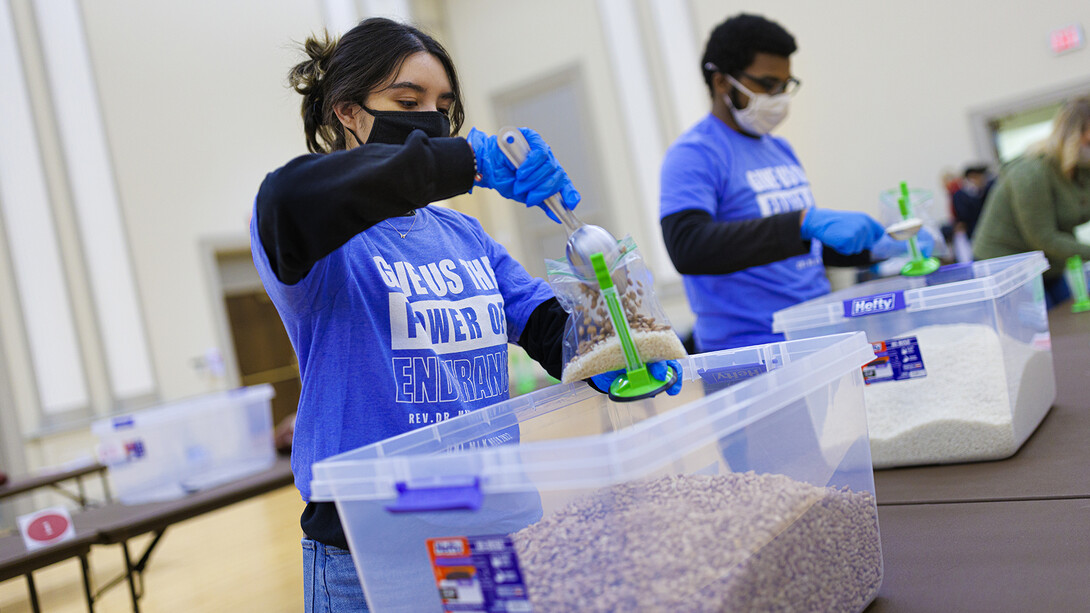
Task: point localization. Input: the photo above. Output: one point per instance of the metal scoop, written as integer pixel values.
(905, 229)
(583, 240)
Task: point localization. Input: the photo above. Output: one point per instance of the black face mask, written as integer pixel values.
(394, 127)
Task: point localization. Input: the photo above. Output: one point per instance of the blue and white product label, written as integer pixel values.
(134, 449)
(125, 421)
(874, 304)
(896, 360)
(478, 573)
(121, 452)
(727, 376)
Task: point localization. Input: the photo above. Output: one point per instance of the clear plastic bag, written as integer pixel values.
(922, 205)
(591, 345)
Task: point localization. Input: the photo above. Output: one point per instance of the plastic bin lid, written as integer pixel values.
(949, 286)
(431, 456)
(167, 412)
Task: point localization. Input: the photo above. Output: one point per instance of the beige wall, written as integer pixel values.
(196, 111)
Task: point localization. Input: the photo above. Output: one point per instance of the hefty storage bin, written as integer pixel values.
(169, 450)
(752, 490)
(964, 359)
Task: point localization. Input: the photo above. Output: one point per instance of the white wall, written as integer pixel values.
(888, 86)
(197, 111)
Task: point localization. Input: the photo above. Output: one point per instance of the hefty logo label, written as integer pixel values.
(872, 305)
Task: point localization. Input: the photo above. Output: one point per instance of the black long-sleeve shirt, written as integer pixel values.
(316, 203)
(699, 245)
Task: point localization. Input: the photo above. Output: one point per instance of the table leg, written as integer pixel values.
(131, 572)
(87, 592)
(105, 486)
(34, 606)
(143, 563)
(82, 493)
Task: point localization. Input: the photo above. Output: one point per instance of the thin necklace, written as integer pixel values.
(406, 233)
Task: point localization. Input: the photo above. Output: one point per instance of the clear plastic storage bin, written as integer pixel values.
(964, 359)
(752, 490)
(167, 451)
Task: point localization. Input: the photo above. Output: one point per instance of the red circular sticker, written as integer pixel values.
(47, 527)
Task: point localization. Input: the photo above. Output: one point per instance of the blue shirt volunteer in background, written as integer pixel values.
(736, 210)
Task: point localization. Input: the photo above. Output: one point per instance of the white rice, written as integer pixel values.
(968, 407)
(607, 355)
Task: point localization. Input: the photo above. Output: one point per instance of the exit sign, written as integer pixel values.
(1068, 38)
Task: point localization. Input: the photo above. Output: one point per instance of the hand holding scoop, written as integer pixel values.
(583, 240)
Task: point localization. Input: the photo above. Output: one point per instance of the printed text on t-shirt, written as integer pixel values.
(780, 189)
(437, 278)
(430, 380)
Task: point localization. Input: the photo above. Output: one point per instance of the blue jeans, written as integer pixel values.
(330, 583)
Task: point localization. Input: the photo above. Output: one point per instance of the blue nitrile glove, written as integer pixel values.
(657, 370)
(848, 232)
(925, 242)
(539, 176)
(494, 171)
(887, 247)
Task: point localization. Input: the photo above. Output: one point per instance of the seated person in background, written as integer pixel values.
(1040, 197)
(952, 183)
(969, 199)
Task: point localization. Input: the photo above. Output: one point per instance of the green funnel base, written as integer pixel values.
(921, 267)
(639, 384)
(1080, 306)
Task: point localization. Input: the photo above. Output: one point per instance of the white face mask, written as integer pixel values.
(762, 114)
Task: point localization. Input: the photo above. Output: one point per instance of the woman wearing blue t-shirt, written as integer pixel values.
(399, 313)
(736, 209)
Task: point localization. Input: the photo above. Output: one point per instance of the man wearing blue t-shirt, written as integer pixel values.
(737, 213)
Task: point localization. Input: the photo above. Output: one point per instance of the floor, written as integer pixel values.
(245, 557)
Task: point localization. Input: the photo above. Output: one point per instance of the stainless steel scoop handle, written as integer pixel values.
(514, 146)
(583, 240)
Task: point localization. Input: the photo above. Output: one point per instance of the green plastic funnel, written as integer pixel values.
(918, 265)
(1076, 278)
(636, 382)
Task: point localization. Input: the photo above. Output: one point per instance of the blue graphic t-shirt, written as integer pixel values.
(735, 177)
(397, 333)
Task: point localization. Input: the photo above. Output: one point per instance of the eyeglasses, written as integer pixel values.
(774, 86)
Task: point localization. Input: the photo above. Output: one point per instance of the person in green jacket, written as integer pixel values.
(1040, 197)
